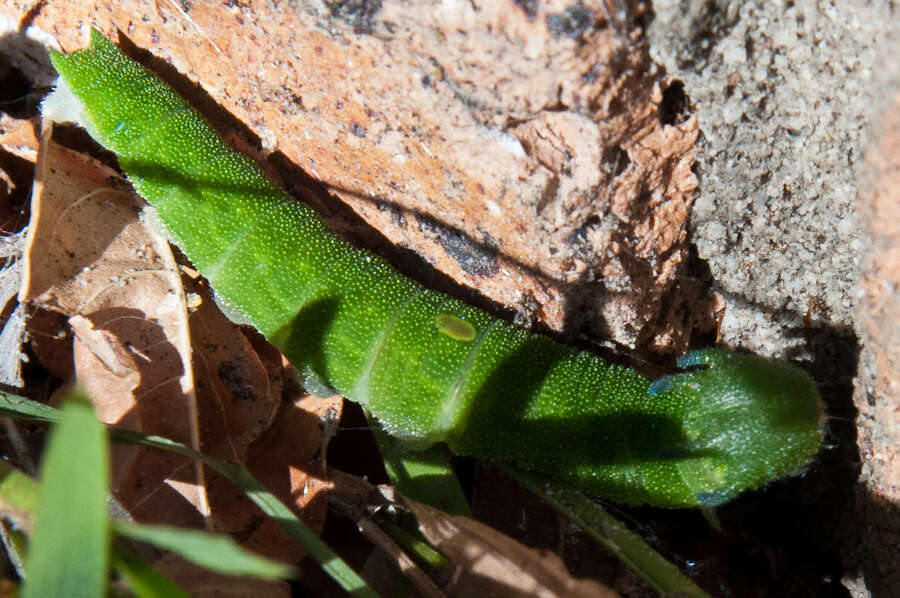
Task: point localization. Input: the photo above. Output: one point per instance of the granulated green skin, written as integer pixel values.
(430, 367)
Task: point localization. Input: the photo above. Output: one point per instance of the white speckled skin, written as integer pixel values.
(429, 366)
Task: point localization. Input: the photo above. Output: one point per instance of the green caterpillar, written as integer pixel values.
(430, 367)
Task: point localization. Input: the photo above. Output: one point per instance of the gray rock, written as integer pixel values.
(784, 91)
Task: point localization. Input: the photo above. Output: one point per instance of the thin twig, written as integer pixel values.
(395, 553)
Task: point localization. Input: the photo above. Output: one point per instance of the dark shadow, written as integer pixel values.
(26, 77)
(26, 74)
(871, 543)
(800, 515)
(306, 335)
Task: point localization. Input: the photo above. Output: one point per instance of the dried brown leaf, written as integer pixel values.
(237, 395)
(252, 412)
(493, 564)
(289, 461)
(485, 561)
(20, 137)
(18, 152)
(151, 363)
(203, 583)
(91, 258)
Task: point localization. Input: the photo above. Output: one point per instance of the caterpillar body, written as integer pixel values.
(430, 367)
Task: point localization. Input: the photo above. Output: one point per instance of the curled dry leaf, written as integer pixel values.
(253, 412)
(289, 461)
(18, 153)
(20, 138)
(152, 364)
(238, 391)
(90, 257)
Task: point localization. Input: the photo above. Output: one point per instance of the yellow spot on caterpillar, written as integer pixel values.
(455, 327)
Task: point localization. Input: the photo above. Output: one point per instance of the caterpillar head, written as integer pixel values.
(751, 420)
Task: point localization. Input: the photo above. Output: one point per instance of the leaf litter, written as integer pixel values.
(154, 353)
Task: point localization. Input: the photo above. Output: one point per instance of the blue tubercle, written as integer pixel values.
(694, 358)
(661, 385)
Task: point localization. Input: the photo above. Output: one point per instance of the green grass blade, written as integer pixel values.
(68, 554)
(18, 503)
(213, 551)
(612, 534)
(330, 562)
(141, 577)
(17, 490)
(21, 408)
(415, 546)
